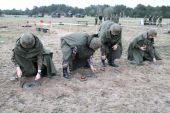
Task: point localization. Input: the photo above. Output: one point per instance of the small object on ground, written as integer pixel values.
(90, 74)
(31, 84)
(3, 26)
(26, 26)
(45, 30)
(83, 78)
(102, 69)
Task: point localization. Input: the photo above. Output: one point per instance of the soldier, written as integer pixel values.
(159, 21)
(150, 20)
(96, 20)
(111, 49)
(100, 19)
(145, 20)
(31, 59)
(77, 49)
(117, 19)
(142, 48)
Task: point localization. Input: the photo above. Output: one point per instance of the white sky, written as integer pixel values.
(23, 4)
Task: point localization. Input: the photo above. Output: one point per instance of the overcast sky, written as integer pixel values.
(23, 4)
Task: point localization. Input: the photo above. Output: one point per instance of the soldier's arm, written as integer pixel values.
(104, 44)
(13, 60)
(150, 49)
(90, 62)
(119, 39)
(39, 61)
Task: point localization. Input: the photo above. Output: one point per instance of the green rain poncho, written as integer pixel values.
(27, 59)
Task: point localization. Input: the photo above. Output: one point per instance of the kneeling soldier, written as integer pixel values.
(142, 48)
(31, 59)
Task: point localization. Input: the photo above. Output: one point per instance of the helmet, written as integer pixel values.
(27, 40)
(116, 28)
(95, 43)
(152, 32)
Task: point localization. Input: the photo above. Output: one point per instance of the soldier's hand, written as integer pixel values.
(19, 72)
(114, 47)
(93, 69)
(154, 60)
(38, 76)
(143, 48)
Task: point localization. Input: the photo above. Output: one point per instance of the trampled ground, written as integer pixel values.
(127, 89)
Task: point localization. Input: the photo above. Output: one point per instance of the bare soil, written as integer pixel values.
(126, 89)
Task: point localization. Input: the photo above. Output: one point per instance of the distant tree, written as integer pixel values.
(108, 12)
(93, 10)
(1, 12)
(140, 10)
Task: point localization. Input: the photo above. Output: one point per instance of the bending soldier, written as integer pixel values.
(77, 49)
(111, 49)
(31, 59)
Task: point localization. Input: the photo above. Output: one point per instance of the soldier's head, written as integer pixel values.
(27, 40)
(152, 33)
(95, 43)
(115, 29)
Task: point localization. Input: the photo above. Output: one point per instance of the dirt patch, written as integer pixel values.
(127, 89)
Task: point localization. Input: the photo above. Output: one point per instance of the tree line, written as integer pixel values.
(93, 10)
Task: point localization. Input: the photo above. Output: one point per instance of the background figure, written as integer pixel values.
(100, 19)
(150, 20)
(159, 21)
(96, 20)
(145, 20)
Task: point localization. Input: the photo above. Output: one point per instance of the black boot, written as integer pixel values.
(113, 64)
(65, 73)
(103, 63)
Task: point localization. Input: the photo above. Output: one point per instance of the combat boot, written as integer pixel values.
(113, 64)
(103, 63)
(66, 73)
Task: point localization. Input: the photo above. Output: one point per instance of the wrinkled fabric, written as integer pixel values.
(108, 41)
(137, 55)
(105, 26)
(81, 41)
(27, 59)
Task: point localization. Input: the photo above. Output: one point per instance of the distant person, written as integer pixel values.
(159, 21)
(100, 19)
(150, 20)
(96, 20)
(111, 49)
(145, 20)
(142, 48)
(116, 18)
(78, 49)
(154, 20)
(31, 59)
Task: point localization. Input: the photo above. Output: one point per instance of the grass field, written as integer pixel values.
(127, 89)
